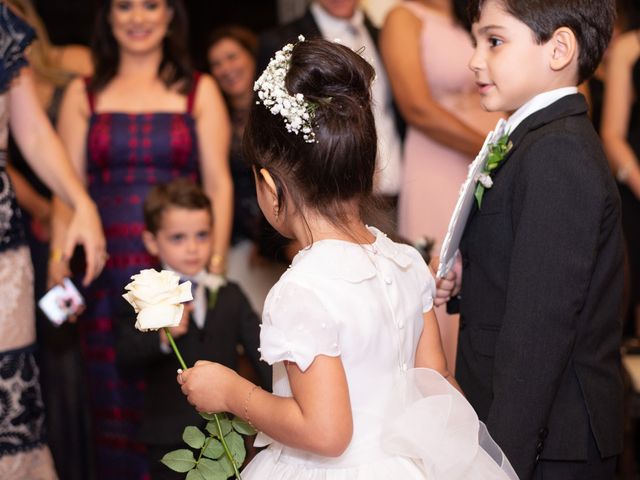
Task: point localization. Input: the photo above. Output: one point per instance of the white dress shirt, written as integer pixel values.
(538, 102)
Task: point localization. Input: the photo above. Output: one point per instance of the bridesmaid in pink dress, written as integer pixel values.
(437, 96)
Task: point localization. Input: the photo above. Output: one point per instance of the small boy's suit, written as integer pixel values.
(166, 410)
(540, 304)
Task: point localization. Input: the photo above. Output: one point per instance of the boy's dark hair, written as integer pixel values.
(181, 193)
(175, 67)
(340, 166)
(590, 20)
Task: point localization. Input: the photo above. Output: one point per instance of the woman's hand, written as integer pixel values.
(209, 386)
(86, 230)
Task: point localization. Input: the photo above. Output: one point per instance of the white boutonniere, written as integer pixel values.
(157, 299)
(497, 153)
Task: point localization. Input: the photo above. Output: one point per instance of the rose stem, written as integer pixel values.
(215, 415)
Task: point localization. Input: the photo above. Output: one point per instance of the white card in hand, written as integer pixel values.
(465, 202)
(61, 301)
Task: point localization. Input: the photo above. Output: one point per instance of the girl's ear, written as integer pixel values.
(150, 242)
(564, 48)
(270, 184)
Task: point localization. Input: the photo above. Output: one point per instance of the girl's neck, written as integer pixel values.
(315, 227)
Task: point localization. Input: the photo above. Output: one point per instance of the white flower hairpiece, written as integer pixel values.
(296, 111)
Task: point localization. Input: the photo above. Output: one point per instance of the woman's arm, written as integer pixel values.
(214, 133)
(316, 419)
(616, 110)
(400, 50)
(45, 154)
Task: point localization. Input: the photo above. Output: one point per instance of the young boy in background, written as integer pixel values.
(178, 227)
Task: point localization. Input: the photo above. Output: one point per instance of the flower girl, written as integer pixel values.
(361, 387)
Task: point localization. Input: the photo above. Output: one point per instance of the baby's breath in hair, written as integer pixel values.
(296, 111)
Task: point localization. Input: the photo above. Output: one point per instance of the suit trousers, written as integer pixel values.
(594, 468)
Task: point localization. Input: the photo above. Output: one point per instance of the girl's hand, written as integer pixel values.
(209, 386)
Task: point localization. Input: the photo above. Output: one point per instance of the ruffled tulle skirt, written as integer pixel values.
(431, 433)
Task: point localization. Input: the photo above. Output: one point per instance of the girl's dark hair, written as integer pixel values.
(175, 66)
(340, 165)
(590, 20)
(243, 36)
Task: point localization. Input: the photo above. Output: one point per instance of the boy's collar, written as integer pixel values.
(538, 102)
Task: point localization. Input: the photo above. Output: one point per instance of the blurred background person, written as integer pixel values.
(426, 49)
(59, 358)
(145, 117)
(23, 450)
(231, 60)
(620, 132)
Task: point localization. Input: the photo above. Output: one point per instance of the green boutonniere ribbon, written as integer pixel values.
(497, 152)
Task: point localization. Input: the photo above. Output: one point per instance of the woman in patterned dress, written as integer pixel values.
(144, 118)
(23, 452)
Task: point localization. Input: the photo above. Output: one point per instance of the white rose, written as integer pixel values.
(157, 298)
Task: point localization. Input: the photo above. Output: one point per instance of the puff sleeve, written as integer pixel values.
(297, 327)
(15, 36)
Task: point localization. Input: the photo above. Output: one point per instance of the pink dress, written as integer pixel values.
(433, 173)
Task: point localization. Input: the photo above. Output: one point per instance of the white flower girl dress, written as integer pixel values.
(365, 304)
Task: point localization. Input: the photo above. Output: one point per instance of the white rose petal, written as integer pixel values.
(157, 298)
(159, 316)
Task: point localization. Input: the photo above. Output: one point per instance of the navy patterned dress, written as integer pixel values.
(126, 155)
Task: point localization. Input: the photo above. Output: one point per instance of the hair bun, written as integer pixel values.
(330, 76)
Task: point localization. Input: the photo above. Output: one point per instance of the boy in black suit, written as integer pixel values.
(178, 222)
(540, 300)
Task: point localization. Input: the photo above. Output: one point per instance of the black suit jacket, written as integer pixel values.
(166, 411)
(540, 304)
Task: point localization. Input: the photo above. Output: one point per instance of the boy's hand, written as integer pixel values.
(208, 386)
(449, 286)
(446, 287)
(182, 328)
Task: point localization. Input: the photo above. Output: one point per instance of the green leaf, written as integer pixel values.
(179, 460)
(479, 193)
(207, 416)
(213, 298)
(211, 470)
(226, 466)
(225, 425)
(242, 427)
(236, 446)
(214, 449)
(193, 437)
(195, 475)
